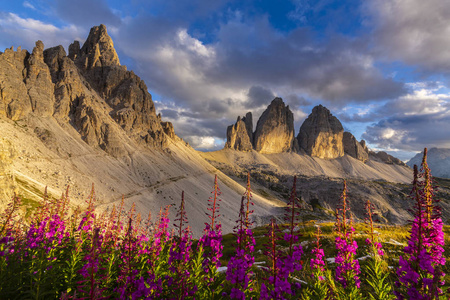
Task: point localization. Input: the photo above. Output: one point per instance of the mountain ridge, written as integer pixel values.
(82, 119)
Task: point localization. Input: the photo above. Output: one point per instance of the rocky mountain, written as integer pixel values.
(275, 129)
(326, 155)
(240, 135)
(438, 161)
(321, 134)
(354, 148)
(82, 118)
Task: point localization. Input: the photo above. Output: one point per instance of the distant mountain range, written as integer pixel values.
(438, 161)
(77, 119)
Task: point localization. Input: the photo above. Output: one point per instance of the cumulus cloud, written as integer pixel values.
(246, 64)
(416, 32)
(26, 31)
(210, 61)
(412, 122)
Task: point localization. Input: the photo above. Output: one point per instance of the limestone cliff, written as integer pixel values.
(240, 135)
(383, 157)
(275, 129)
(87, 89)
(321, 134)
(126, 94)
(14, 100)
(7, 154)
(354, 148)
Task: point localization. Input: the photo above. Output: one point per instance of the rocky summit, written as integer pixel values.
(354, 148)
(321, 134)
(240, 135)
(275, 129)
(71, 88)
(77, 120)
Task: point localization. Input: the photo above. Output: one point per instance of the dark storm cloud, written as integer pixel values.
(416, 32)
(86, 13)
(246, 64)
(169, 113)
(257, 96)
(248, 55)
(296, 101)
(409, 133)
(337, 70)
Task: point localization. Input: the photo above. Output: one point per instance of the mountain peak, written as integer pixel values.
(97, 51)
(321, 134)
(275, 129)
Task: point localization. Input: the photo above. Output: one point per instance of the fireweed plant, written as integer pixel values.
(420, 273)
(347, 266)
(210, 244)
(376, 269)
(281, 284)
(59, 251)
(239, 273)
(319, 287)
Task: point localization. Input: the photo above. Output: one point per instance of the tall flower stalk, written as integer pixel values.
(210, 244)
(179, 256)
(239, 266)
(276, 285)
(377, 273)
(420, 273)
(347, 269)
(319, 287)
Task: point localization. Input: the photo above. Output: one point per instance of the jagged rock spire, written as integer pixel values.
(97, 51)
(275, 129)
(321, 134)
(240, 135)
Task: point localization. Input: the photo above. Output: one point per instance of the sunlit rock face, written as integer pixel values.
(321, 135)
(354, 148)
(7, 184)
(240, 135)
(87, 89)
(275, 129)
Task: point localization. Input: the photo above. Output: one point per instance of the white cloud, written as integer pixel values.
(27, 31)
(28, 5)
(205, 142)
(414, 121)
(414, 31)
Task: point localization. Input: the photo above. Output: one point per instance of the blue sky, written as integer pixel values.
(381, 67)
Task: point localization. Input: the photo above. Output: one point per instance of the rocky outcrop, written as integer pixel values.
(385, 158)
(168, 129)
(240, 135)
(87, 89)
(275, 129)
(97, 51)
(14, 100)
(39, 82)
(321, 134)
(354, 148)
(438, 160)
(127, 95)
